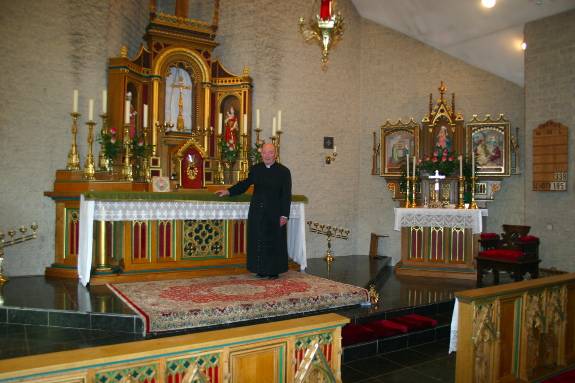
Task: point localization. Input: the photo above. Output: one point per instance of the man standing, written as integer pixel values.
(268, 214)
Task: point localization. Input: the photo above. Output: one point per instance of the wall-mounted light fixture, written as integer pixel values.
(328, 143)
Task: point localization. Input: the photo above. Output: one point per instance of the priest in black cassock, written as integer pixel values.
(268, 214)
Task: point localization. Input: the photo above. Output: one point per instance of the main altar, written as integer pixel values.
(175, 126)
(443, 172)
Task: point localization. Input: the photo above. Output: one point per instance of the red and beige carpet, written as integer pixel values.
(198, 302)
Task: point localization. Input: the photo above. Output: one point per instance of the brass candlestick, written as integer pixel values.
(146, 159)
(407, 189)
(330, 232)
(461, 184)
(127, 174)
(258, 131)
(278, 145)
(73, 157)
(104, 162)
(413, 201)
(473, 204)
(244, 157)
(89, 167)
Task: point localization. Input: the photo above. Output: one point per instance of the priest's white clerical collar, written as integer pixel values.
(269, 166)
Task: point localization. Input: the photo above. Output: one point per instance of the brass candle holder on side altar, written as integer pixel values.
(127, 173)
(473, 204)
(330, 232)
(73, 157)
(89, 166)
(13, 241)
(407, 190)
(104, 163)
(461, 190)
(413, 201)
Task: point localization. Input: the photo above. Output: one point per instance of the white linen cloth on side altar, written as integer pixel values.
(94, 210)
(466, 218)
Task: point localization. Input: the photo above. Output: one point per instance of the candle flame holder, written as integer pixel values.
(13, 241)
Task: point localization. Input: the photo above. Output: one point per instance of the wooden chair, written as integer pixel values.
(514, 251)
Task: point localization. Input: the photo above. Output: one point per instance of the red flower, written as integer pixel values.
(451, 158)
(112, 131)
(113, 139)
(434, 159)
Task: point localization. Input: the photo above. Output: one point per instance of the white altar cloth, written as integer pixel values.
(466, 218)
(96, 210)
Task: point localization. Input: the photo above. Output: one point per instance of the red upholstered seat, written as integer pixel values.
(489, 235)
(503, 254)
(415, 322)
(528, 239)
(384, 328)
(356, 333)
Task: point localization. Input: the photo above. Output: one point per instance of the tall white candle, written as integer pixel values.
(279, 120)
(274, 127)
(145, 116)
(257, 119)
(75, 101)
(245, 127)
(220, 124)
(460, 166)
(127, 112)
(335, 149)
(91, 109)
(407, 165)
(104, 101)
(413, 174)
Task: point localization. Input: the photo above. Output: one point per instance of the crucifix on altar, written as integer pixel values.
(181, 85)
(435, 194)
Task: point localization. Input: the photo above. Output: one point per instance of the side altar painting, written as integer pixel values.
(174, 120)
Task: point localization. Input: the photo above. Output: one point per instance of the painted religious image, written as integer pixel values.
(488, 148)
(231, 128)
(398, 145)
(443, 140)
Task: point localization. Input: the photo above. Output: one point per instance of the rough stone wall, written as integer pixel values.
(397, 75)
(51, 47)
(374, 74)
(550, 95)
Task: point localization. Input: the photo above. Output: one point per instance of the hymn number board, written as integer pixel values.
(550, 157)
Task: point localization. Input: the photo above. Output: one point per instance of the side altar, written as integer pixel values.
(438, 242)
(443, 172)
(175, 126)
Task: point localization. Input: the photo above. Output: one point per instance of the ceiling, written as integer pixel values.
(487, 38)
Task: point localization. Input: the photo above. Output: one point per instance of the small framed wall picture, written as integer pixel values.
(328, 143)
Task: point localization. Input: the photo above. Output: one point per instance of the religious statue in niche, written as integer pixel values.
(231, 128)
(178, 104)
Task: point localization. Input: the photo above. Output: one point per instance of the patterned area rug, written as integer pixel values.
(197, 302)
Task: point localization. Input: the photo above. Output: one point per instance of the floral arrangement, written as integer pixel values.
(110, 143)
(442, 159)
(255, 153)
(230, 151)
(139, 147)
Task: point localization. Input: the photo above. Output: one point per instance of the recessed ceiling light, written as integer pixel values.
(488, 3)
(523, 45)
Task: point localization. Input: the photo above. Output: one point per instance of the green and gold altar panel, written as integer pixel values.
(203, 239)
(261, 353)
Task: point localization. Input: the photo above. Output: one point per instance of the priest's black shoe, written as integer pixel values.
(261, 276)
(273, 277)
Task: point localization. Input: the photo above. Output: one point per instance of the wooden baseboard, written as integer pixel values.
(432, 273)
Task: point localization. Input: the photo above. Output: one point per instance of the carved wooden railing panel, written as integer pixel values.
(519, 331)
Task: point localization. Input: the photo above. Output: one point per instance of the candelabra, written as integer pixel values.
(127, 174)
(73, 157)
(278, 145)
(13, 241)
(407, 190)
(461, 189)
(473, 204)
(244, 156)
(104, 162)
(146, 160)
(330, 232)
(89, 167)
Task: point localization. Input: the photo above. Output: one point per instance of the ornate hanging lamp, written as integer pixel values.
(326, 28)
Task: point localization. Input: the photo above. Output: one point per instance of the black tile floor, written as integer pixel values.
(429, 362)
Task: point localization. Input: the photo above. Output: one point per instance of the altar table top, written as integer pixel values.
(465, 218)
(198, 205)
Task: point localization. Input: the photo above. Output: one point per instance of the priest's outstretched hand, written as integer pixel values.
(222, 192)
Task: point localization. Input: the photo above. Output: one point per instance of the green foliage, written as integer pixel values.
(229, 153)
(139, 148)
(255, 154)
